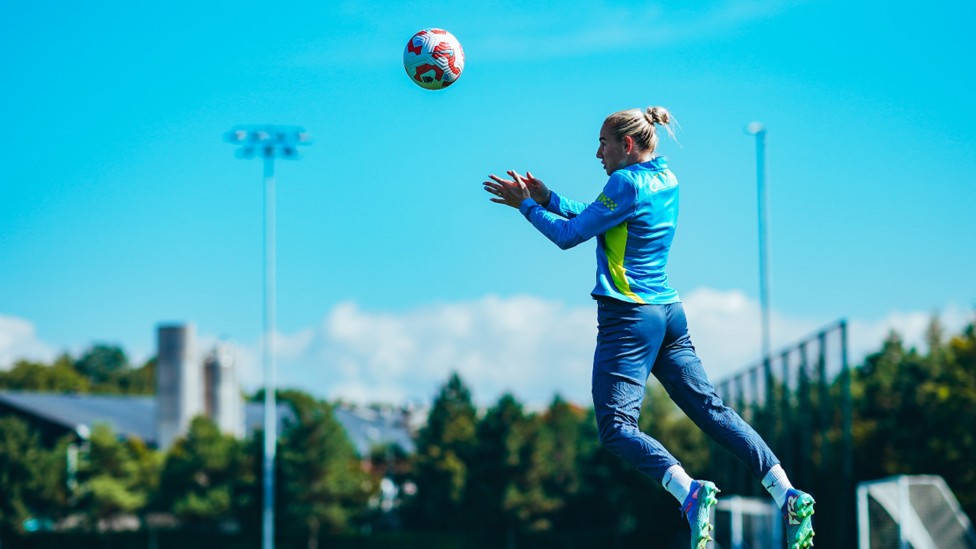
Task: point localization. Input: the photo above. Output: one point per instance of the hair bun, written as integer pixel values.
(658, 115)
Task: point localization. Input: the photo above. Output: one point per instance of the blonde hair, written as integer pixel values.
(639, 125)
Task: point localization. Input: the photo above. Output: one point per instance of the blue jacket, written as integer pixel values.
(633, 220)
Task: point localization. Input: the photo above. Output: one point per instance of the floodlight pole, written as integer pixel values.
(270, 367)
(757, 129)
(268, 142)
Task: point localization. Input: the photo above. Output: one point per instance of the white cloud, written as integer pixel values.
(18, 341)
(725, 328)
(529, 346)
(866, 335)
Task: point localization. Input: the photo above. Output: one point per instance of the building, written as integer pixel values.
(187, 386)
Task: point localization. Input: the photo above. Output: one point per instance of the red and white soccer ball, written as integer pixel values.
(433, 59)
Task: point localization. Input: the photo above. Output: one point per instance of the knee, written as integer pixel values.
(614, 430)
(697, 399)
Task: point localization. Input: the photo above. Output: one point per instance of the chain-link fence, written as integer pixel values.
(799, 400)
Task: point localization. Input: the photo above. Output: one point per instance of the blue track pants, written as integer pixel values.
(635, 341)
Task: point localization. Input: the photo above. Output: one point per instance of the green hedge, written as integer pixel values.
(185, 539)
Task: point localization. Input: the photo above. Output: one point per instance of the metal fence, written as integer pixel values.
(747, 523)
(799, 400)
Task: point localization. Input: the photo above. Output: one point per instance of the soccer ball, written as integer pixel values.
(433, 59)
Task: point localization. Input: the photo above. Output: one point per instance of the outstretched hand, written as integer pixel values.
(512, 192)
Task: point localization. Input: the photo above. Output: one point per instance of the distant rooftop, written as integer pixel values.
(134, 416)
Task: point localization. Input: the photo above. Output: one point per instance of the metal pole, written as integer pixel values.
(863, 524)
(904, 509)
(270, 423)
(757, 129)
(736, 519)
(823, 395)
(268, 142)
(804, 399)
(847, 434)
(783, 434)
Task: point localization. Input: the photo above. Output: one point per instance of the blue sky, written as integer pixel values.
(121, 208)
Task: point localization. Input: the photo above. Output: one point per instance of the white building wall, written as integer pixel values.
(225, 404)
(179, 394)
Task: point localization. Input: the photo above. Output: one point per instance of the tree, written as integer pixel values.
(561, 447)
(914, 411)
(133, 381)
(115, 478)
(444, 452)
(101, 361)
(246, 503)
(102, 369)
(32, 477)
(953, 399)
(506, 489)
(611, 493)
(617, 498)
(60, 376)
(390, 468)
(199, 476)
(323, 485)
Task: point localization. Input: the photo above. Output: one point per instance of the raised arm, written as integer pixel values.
(538, 191)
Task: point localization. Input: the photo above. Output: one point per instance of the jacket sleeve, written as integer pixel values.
(563, 206)
(612, 207)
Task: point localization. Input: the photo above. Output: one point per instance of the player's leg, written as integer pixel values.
(681, 373)
(796, 505)
(629, 338)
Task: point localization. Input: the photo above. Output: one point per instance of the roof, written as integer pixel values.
(368, 428)
(135, 416)
(127, 415)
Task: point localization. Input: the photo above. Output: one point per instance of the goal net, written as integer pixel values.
(911, 512)
(746, 523)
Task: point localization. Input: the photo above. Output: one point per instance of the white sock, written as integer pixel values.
(776, 483)
(677, 482)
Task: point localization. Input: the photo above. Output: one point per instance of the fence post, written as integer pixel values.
(785, 442)
(847, 431)
(863, 523)
(803, 388)
(824, 397)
